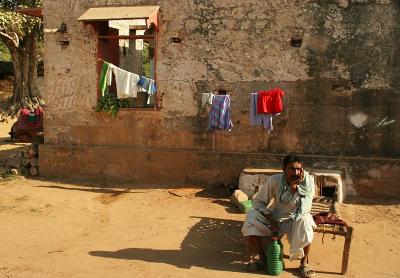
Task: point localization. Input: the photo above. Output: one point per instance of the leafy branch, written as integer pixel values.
(110, 104)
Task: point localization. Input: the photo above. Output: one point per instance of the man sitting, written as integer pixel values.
(282, 205)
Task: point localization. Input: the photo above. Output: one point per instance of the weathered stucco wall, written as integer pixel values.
(342, 87)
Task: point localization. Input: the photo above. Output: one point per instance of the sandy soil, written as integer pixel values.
(74, 229)
(6, 146)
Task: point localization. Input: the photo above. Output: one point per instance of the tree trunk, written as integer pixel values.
(17, 88)
(25, 61)
(33, 67)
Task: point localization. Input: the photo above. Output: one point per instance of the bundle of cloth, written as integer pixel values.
(29, 123)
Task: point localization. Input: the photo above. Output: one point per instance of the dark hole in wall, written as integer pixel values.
(64, 43)
(328, 191)
(175, 40)
(296, 42)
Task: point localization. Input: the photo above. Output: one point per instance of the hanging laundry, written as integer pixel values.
(103, 77)
(148, 85)
(270, 101)
(127, 83)
(220, 114)
(259, 119)
(206, 101)
(111, 67)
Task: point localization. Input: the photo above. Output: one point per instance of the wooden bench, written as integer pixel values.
(327, 205)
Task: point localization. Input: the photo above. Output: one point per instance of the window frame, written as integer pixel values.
(100, 49)
(98, 18)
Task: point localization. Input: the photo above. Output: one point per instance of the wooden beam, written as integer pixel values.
(136, 37)
(346, 250)
(37, 12)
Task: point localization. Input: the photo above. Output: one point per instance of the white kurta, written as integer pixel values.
(300, 233)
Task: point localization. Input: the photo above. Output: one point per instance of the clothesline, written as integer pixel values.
(89, 52)
(264, 105)
(128, 83)
(86, 50)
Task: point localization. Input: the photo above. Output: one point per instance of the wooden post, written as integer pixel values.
(346, 249)
(213, 141)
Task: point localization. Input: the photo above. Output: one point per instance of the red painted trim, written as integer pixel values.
(98, 64)
(37, 12)
(155, 61)
(153, 19)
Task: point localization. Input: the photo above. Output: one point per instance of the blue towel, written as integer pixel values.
(148, 85)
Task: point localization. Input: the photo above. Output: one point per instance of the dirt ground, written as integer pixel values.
(53, 228)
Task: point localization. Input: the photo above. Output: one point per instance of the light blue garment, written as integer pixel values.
(148, 85)
(304, 190)
(259, 119)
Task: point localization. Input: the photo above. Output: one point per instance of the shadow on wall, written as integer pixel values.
(220, 237)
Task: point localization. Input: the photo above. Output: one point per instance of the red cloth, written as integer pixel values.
(324, 218)
(23, 124)
(270, 102)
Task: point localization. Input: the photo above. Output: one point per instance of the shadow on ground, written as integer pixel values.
(96, 190)
(220, 195)
(212, 244)
(377, 201)
(8, 147)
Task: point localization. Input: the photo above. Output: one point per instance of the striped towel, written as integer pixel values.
(220, 114)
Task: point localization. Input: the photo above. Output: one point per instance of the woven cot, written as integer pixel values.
(331, 224)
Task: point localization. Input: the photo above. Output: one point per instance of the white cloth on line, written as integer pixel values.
(127, 83)
(207, 99)
(109, 74)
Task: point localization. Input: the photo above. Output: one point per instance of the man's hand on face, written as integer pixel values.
(295, 179)
(294, 173)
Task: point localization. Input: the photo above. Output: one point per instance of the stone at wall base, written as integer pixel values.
(250, 180)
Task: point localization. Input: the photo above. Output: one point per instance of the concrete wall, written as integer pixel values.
(340, 109)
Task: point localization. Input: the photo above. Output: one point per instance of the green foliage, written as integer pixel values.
(4, 53)
(7, 175)
(12, 4)
(146, 60)
(8, 4)
(110, 104)
(15, 24)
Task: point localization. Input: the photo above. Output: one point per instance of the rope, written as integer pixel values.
(84, 49)
(335, 229)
